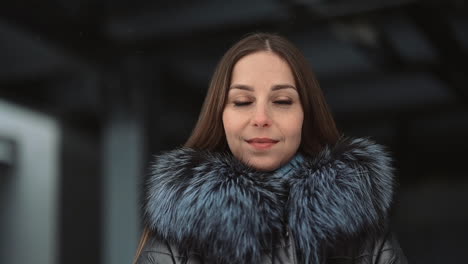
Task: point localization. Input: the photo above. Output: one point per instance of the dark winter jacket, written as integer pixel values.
(206, 207)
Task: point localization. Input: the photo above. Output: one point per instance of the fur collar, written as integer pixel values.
(214, 204)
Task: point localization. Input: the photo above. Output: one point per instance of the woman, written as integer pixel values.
(265, 176)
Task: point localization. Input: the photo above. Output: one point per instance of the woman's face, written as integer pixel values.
(263, 115)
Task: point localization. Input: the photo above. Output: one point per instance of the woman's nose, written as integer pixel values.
(261, 117)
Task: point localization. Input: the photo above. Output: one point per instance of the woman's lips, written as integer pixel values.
(262, 143)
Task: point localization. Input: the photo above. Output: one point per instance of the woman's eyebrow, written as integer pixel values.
(282, 86)
(273, 88)
(242, 87)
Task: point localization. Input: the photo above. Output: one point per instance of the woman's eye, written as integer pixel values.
(283, 102)
(242, 103)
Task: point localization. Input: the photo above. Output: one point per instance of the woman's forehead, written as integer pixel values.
(262, 67)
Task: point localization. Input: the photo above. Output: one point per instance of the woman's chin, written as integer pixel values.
(263, 164)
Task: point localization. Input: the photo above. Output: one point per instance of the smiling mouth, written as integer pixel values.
(262, 143)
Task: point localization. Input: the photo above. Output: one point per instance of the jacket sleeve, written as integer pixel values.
(387, 250)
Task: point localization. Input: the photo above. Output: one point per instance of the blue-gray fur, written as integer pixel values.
(214, 204)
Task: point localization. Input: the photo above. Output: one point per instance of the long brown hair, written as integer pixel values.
(318, 127)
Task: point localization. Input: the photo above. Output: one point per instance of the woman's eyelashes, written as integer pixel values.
(242, 103)
(282, 102)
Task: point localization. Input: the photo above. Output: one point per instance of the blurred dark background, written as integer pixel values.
(89, 90)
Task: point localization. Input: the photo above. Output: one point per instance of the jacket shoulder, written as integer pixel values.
(374, 249)
(388, 250)
(159, 251)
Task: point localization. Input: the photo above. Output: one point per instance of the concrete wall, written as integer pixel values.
(28, 202)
